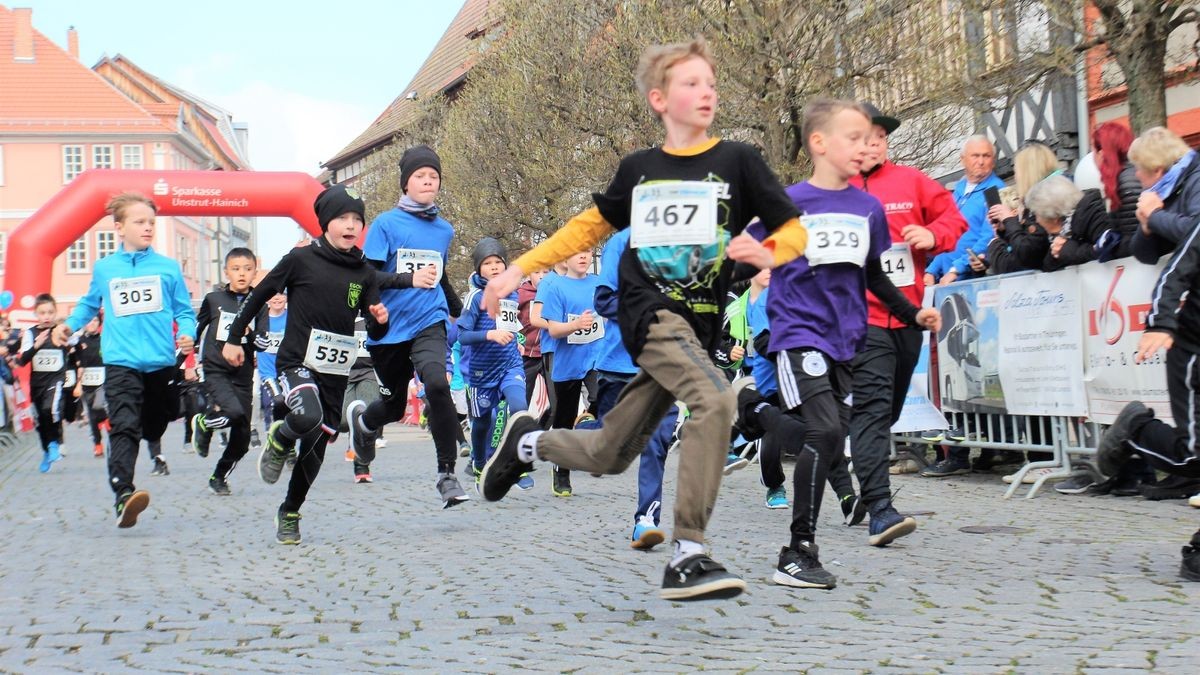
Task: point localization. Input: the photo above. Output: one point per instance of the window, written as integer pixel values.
(131, 156)
(106, 243)
(77, 256)
(102, 156)
(72, 162)
(3, 249)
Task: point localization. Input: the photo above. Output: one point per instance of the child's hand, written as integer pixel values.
(77, 391)
(501, 286)
(585, 320)
(185, 344)
(234, 354)
(43, 336)
(380, 313)
(426, 277)
(929, 319)
(62, 333)
(746, 249)
(737, 353)
(500, 337)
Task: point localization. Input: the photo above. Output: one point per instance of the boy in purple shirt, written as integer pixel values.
(818, 314)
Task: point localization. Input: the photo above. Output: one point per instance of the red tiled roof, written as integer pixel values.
(450, 59)
(55, 93)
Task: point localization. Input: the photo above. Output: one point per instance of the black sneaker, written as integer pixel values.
(292, 457)
(1076, 485)
(887, 525)
(255, 442)
(854, 509)
(955, 435)
(201, 435)
(129, 506)
(1114, 448)
(362, 442)
(160, 467)
(801, 568)
(560, 484)
(1189, 567)
(219, 486)
(505, 467)
(450, 490)
(287, 527)
(947, 467)
(1171, 487)
(699, 577)
(274, 453)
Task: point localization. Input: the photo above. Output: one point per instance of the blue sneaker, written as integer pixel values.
(777, 498)
(55, 453)
(525, 482)
(887, 526)
(733, 462)
(646, 535)
(44, 467)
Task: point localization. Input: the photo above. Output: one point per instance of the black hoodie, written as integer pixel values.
(216, 311)
(326, 289)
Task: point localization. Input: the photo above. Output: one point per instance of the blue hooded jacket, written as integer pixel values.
(144, 342)
(487, 361)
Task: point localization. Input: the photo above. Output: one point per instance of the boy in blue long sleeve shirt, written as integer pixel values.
(495, 370)
(145, 300)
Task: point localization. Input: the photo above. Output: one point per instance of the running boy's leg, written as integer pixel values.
(124, 391)
(236, 404)
(673, 366)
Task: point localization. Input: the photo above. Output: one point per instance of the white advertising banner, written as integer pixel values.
(1041, 347)
(1116, 299)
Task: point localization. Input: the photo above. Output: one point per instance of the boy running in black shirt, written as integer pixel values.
(328, 283)
(91, 376)
(47, 379)
(687, 203)
(230, 389)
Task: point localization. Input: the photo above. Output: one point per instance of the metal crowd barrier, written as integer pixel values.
(1069, 440)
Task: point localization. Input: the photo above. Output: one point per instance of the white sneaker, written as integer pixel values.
(1031, 476)
(1194, 500)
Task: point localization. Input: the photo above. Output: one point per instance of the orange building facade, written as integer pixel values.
(59, 118)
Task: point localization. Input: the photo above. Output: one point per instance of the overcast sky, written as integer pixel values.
(306, 76)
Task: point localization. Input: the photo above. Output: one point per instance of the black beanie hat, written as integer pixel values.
(415, 158)
(487, 247)
(335, 201)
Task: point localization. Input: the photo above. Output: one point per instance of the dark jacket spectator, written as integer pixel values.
(1169, 209)
(1073, 219)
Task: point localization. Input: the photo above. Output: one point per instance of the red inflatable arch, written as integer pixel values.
(35, 243)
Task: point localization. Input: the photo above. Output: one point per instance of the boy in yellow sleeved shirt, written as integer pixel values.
(687, 203)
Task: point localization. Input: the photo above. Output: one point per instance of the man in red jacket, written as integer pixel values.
(923, 221)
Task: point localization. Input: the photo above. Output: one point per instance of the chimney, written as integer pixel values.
(23, 38)
(73, 43)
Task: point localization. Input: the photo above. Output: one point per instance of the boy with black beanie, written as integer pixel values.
(328, 283)
(413, 238)
(495, 371)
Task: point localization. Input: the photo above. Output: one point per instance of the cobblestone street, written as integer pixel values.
(387, 581)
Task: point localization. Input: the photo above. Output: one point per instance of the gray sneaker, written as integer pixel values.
(273, 455)
(451, 492)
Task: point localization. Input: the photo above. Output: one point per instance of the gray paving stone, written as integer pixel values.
(386, 580)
